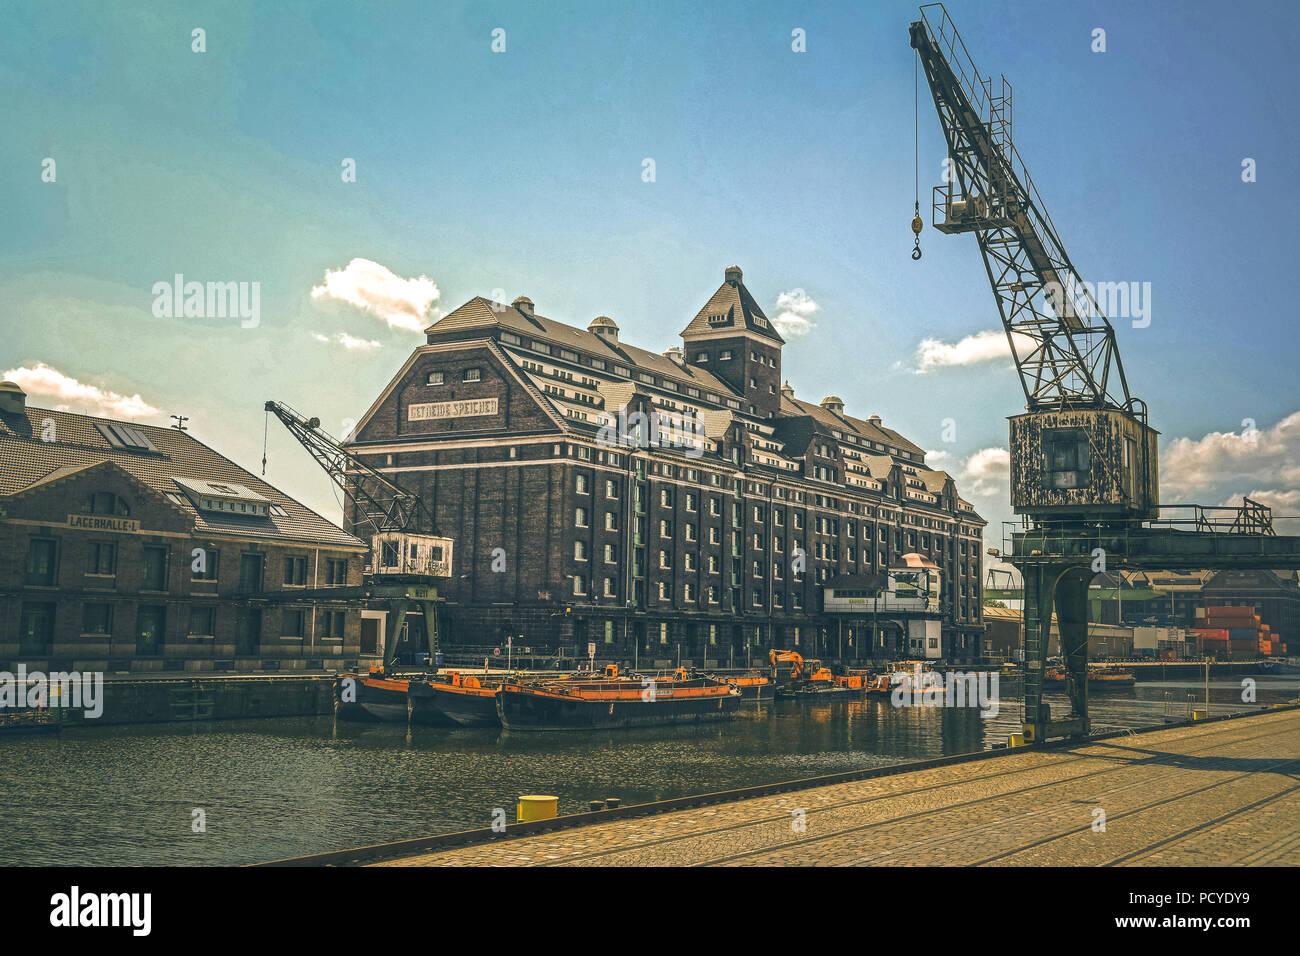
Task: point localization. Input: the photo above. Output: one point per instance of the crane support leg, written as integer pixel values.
(397, 610)
(1072, 623)
(430, 609)
(1063, 587)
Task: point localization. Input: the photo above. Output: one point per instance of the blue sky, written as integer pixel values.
(522, 172)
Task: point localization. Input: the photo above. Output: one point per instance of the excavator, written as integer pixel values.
(804, 674)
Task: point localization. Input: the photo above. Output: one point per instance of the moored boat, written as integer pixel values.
(753, 686)
(1099, 678)
(460, 699)
(373, 696)
(614, 702)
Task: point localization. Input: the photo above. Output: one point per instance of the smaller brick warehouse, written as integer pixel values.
(137, 548)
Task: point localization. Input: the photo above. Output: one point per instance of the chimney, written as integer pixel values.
(13, 400)
(524, 305)
(733, 275)
(833, 403)
(604, 326)
(787, 390)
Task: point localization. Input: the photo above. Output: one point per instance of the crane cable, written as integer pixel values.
(266, 420)
(916, 153)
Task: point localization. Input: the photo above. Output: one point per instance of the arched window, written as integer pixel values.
(106, 503)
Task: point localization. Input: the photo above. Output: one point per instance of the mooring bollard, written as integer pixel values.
(611, 803)
(532, 808)
(597, 805)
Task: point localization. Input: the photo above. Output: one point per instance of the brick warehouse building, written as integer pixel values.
(101, 524)
(681, 540)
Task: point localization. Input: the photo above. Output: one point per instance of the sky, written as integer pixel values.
(611, 160)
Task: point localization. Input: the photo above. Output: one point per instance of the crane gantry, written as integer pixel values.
(405, 563)
(1083, 457)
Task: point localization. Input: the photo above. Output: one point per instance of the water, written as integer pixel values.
(277, 788)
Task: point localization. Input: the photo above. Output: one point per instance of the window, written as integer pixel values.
(336, 571)
(435, 378)
(580, 517)
(701, 358)
(609, 630)
(688, 561)
(664, 560)
(724, 355)
(201, 621)
(154, 569)
(292, 623)
(690, 531)
(582, 485)
(205, 564)
(663, 633)
(609, 588)
(472, 375)
(609, 554)
(102, 558)
(666, 497)
(97, 619)
(1067, 458)
(580, 551)
(579, 584)
(106, 503)
(36, 630)
(665, 529)
(688, 592)
(611, 521)
(42, 562)
(295, 572)
(611, 488)
(333, 624)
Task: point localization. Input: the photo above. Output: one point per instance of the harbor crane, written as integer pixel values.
(1083, 456)
(405, 565)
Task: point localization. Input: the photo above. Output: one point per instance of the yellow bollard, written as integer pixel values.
(1199, 714)
(1016, 740)
(537, 808)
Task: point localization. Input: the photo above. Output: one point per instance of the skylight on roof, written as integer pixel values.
(124, 436)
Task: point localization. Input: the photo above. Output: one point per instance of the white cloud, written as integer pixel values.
(1260, 456)
(349, 342)
(988, 346)
(403, 303)
(43, 383)
(987, 472)
(794, 312)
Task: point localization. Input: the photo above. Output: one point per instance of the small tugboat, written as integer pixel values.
(454, 698)
(614, 702)
(1099, 678)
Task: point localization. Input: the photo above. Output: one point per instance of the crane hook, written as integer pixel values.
(917, 226)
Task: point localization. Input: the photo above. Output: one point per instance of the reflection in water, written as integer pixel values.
(281, 788)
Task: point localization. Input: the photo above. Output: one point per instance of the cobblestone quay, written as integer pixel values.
(1222, 793)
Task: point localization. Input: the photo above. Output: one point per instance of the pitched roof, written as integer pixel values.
(732, 307)
(28, 463)
(480, 314)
